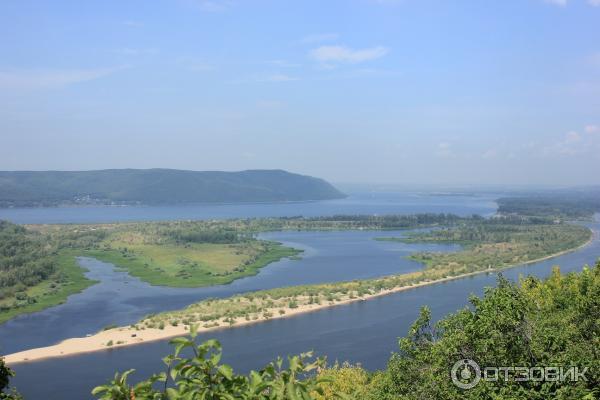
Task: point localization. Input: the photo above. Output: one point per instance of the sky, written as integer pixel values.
(365, 91)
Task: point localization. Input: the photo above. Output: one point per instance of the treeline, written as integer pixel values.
(25, 260)
(571, 205)
(201, 232)
(494, 230)
(537, 324)
(338, 222)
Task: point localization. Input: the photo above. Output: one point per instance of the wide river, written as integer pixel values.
(364, 332)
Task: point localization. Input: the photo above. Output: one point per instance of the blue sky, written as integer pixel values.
(388, 91)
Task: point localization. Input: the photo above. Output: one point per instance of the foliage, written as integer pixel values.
(537, 323)
(24, 260)
(343, 381)
(541, 323)
(498, 242)
(5, 374)
(571, 204)
(203, 376)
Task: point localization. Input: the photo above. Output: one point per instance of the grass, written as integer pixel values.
(482, 257)
(497, 246)
(68, 281)
(194, 265)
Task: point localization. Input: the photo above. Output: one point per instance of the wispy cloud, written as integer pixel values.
(560, 3)
(595, 3)
(491, 153)
(444, 149)
(573, 143)
(46, 79)
(591, 129)
(211, 5)
(342, 54)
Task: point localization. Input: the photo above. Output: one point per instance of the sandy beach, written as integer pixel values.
(127, 336)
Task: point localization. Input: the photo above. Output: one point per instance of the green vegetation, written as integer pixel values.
(498, 242)
(39, 267)
(5, 374)
(157, 186)
(571, 204)
(34, 274)
(202, 376)
(512, 325)
(502, 243)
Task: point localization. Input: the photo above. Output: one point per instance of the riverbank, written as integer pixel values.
(298, 304)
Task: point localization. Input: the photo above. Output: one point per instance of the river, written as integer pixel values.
(363, 332)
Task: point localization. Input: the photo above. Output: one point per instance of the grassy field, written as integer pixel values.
(68, 281)
(521, 244)
(493, 245)
(195, 265)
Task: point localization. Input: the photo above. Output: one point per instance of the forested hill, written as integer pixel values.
(158, 186)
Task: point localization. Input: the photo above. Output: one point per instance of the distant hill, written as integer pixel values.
(158, 186)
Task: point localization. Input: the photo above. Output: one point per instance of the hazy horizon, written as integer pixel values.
(379, 92)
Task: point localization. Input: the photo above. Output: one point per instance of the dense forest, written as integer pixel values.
(512, 325)
(158, 186)
(25, 260)
(572, 204)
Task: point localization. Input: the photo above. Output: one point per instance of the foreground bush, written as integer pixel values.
(555, 322)
(202, 376)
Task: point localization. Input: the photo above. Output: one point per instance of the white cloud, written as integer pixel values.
(573, 143)
(491, 153)
(342, 54)
(572, 137)
(211, 5)
(591, 129)
(47, 79)
(319, 38)
(561, 3)
(444, 149)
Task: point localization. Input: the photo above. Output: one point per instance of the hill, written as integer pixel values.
(158, 186)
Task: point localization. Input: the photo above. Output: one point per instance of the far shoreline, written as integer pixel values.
(127, 336)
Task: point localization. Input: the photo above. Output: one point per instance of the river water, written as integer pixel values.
(363, 332)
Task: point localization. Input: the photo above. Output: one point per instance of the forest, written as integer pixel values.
(25, 261)
(565, 204)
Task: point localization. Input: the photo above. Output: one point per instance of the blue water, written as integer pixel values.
(357, 203)
(121, 299)
(361, 332)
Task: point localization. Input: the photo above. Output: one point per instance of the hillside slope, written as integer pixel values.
(158, 186)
